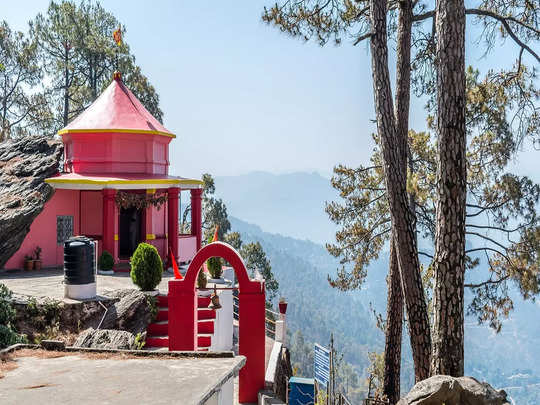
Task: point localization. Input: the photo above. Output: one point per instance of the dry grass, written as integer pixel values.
(7, 363)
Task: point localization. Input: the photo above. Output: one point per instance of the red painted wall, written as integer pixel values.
(43, 230)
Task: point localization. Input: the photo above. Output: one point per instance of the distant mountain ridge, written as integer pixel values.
(292, 204)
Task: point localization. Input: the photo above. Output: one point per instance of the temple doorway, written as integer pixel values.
(129, 231)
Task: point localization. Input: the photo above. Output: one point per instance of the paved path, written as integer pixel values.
(76, 379)
(49, 283)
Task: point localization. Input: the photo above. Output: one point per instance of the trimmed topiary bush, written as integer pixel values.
(146, 267)
(106, 261)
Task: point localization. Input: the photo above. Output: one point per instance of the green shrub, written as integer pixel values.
(146, 267)
(106, 261)
(215, 267)
(8, 336)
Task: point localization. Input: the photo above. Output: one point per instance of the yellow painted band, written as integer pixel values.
(122, 131)
(167, 236)
(151, 191)
(150, 236)
(147, 181)
(115, 236)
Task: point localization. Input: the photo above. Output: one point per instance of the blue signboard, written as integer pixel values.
(322, 365)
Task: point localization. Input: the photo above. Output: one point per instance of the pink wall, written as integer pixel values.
(116, 153)
(43, 230)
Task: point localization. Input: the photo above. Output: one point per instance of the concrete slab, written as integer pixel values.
(50, 282)
(81, 379)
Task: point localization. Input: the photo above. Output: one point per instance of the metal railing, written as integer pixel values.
(269, 319)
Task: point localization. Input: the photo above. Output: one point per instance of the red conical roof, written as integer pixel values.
(116, 110)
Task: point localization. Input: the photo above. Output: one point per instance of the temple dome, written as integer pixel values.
(116, 110)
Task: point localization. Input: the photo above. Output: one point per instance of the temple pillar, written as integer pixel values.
(109, 219)
(172, 222)
(196, 215)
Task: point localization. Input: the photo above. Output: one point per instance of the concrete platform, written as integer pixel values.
(49, 282)
(80, 378)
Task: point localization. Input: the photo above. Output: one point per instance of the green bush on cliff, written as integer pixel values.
(146, 267)
(8, 336)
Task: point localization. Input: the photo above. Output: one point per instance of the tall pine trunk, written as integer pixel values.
(394, 320)
(449, 260)
(402, 221)
(393, 332)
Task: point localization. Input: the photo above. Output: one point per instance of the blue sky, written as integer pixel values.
(242, 96)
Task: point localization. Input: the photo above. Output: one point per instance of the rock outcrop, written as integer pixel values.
(441, 389)
(24, 164)
(132, 312)
(106, 339)
(129, 310)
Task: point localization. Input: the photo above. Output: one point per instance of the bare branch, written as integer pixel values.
(362, 37)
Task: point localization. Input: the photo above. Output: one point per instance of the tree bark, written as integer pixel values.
(394, 320)
(402, 222)
(394, 326)
(449, 259)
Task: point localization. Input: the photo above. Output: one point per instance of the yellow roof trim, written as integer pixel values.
(141, 181)
(123, 131)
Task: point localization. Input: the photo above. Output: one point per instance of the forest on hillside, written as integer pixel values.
(507, 360)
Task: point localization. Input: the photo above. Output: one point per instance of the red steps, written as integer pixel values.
(157, 332)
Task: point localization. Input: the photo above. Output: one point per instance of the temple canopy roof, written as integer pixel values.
(116, 110)
(127, 181)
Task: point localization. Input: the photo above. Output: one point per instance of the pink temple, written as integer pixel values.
(114, 146)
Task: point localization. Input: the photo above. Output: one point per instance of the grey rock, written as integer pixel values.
(441, 389)
(106, 339)
(131, 312)
(24, 164)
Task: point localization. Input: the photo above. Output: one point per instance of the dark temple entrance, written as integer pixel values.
(130, 231)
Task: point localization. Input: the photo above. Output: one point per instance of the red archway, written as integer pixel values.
(251, 311)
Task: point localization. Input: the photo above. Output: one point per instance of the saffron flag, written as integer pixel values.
(177, 273)
(117, 36)
(216, 234)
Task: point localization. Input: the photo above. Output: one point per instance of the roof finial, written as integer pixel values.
(117, 75)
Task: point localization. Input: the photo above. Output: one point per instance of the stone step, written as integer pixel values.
(158, 328)
(157, 341)
(205, 326)
(163, 301)
(203, 302)
(204, 340)
(162, 315)
(205, 313)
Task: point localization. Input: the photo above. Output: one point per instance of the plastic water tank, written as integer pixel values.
(79, 268)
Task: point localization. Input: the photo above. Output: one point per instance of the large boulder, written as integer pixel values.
(24, 165)
(106, 339)
(132, 312)
(443, 389)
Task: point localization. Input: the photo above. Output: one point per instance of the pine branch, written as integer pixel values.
(487, 282)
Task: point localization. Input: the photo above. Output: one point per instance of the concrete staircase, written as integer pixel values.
(157, 333)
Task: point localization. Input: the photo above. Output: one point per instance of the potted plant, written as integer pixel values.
(106, 263)
(28, 262)
(282, 305)
(37, 258)
(202, 281)
(215, 268)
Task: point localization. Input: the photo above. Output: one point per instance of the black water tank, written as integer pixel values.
(79, 260)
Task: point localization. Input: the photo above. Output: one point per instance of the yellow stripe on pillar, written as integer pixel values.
(150, 236)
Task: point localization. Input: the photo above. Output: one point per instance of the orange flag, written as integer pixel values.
(177, 273)
(117, 36)
(216, 234)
